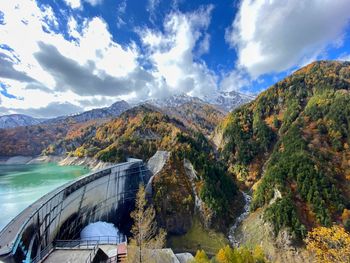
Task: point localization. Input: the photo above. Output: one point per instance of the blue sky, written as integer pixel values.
(65, 56)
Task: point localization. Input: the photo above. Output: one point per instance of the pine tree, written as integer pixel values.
(146, 236)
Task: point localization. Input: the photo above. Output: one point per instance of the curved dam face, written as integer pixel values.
(106, 195)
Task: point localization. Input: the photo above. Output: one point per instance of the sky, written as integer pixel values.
(60, 57)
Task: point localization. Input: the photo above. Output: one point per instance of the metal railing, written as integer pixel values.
(92, 243)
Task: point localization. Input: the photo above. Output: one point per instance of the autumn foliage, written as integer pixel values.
(295, 138)
(232, 255)
(329, 244)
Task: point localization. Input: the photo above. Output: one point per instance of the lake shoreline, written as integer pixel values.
(91, 163)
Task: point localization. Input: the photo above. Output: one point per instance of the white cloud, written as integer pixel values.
(73, 27)
(94, 2)
(204, 45)
(274, 35)
(73, 3)
(151, 8)
(50, 70)
(344, 57)
(77, 4)
(122, 7)
(37, 87)
(235, 80)
(172, 53)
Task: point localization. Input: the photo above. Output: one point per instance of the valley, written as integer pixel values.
(288, 148)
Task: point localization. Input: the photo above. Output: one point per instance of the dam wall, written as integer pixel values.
(106, 195)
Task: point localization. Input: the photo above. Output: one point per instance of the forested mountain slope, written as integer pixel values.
(293, 142)
(139, 133)
(32, 140)
(201, 117)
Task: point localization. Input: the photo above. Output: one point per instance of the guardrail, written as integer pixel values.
(86, 243)
(92, 243)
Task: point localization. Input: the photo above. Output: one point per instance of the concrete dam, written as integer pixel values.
(106, 195)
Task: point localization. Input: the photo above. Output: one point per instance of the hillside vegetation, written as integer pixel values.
(32, 140)
(294, 139)
(139, 133)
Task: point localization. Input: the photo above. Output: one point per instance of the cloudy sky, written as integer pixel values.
(64, 56)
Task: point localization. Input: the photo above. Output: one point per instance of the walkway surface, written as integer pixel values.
(109, 250)
(68, 256)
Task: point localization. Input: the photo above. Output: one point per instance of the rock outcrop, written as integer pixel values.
(155, 164)
(173, 197)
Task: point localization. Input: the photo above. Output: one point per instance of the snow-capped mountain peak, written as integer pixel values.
(225, 101)
(173, 101)
(16, 120)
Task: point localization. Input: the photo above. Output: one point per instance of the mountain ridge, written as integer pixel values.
(18, 120)
(223, 101)
(292, 138)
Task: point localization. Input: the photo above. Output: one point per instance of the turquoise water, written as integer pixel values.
(21, 185)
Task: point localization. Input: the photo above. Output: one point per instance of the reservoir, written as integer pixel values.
(21, 185)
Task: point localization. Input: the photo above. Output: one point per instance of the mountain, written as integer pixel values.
(173, 101)
(228, 100)
(223, 101)
(137, 132)
(291, 147)
(17, 120)
(200, 117)
(20, 120)
(140, 132)
(101, 113)
(32, 140)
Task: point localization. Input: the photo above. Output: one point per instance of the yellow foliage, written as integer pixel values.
(201, 257)
(345, 215)
(329, 244)
(80, 152)
(223, 256)
(258, 254)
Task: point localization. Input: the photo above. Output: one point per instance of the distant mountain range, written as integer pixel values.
(112, 111)
(20, 120)
(223, 101)
(228, 100)
(17, 120)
